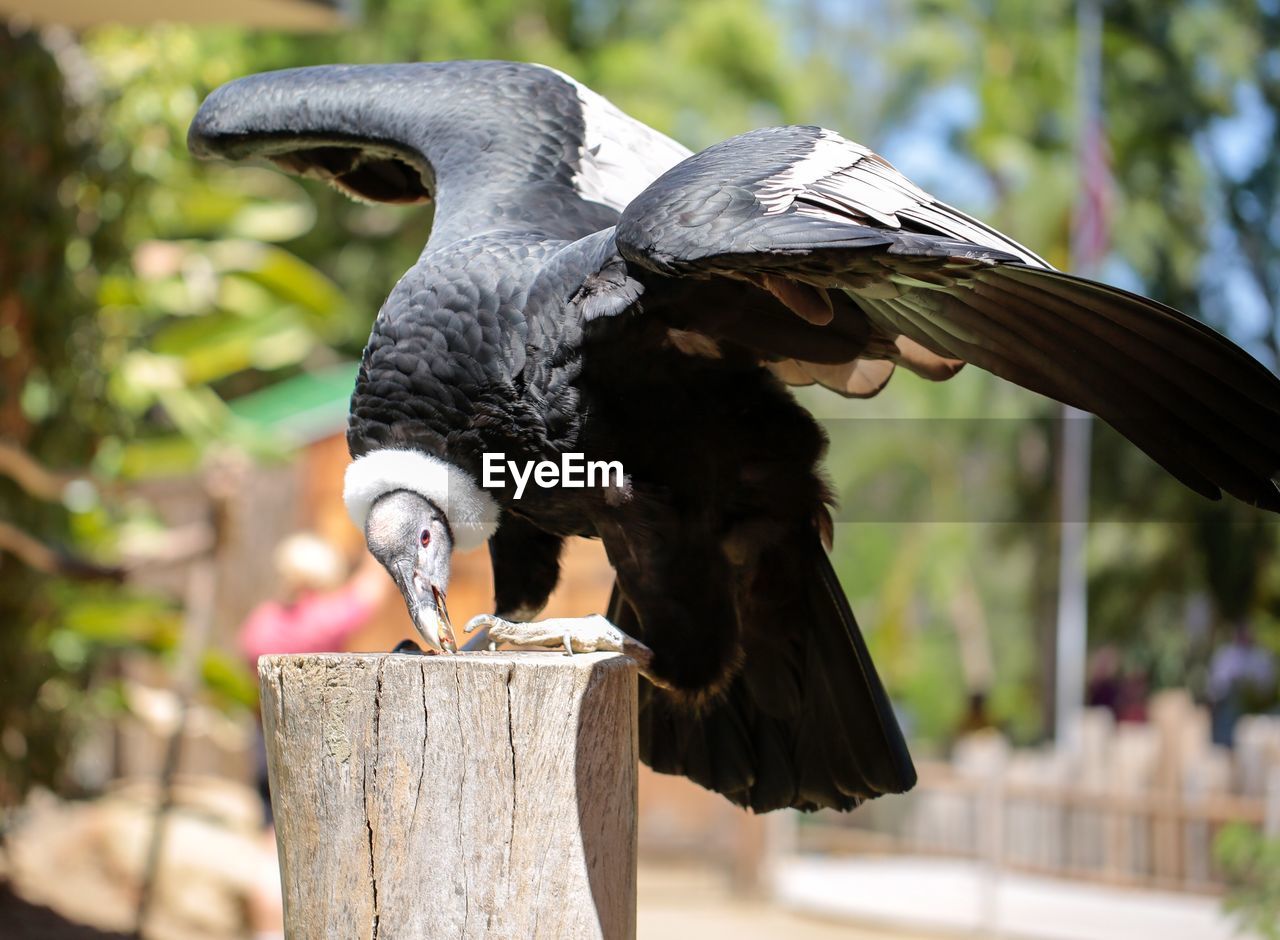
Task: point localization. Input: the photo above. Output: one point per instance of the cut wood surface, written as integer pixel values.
(472, 795)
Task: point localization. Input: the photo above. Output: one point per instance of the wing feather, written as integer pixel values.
(844, 181)
(802, 206)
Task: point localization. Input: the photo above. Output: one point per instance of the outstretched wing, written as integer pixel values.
(461, 133)
(870, 270)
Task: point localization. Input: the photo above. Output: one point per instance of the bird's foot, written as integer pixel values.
(477, 629)
(594, 634)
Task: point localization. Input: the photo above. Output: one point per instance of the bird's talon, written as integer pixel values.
(479, 629)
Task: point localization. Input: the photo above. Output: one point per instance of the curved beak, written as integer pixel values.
(426, 608)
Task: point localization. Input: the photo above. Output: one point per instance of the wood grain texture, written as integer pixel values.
(475, 795)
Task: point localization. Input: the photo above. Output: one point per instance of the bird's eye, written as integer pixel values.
(424, 537)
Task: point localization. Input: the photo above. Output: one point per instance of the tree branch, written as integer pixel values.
(40, 557)
(33, 476)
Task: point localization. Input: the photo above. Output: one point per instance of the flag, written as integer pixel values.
(1091, 218)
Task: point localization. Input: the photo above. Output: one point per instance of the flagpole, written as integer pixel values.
(1087, 246)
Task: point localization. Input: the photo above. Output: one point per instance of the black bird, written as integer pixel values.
(591, 287)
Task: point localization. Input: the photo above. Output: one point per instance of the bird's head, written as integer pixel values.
(415, 509)
(410, 535)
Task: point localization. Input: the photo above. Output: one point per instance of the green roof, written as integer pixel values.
(304, 408)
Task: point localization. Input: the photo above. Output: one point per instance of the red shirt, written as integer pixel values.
(314, 623)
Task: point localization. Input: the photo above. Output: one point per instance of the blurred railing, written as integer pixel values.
(1133, 805)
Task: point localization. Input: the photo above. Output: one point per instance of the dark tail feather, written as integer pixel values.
(809, 726)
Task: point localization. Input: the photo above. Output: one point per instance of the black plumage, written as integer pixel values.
(574, 297)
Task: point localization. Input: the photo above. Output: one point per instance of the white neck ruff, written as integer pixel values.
(472, 513)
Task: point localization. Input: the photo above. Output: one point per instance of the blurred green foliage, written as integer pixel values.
(152, 292)
(1251, 864)
(52, 401)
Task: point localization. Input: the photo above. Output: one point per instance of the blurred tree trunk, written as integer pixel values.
(29, 84)
(34, 156)
(50, 396)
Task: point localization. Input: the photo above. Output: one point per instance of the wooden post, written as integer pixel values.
(474, 795)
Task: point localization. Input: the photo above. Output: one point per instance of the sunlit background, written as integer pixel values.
(177, 345)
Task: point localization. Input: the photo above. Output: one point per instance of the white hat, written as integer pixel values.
(305, 560)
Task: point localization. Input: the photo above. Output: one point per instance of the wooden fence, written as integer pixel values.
(1135, 805)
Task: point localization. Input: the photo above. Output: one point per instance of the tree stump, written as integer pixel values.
(472, 795)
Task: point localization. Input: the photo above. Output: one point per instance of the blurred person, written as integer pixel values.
(1121, 690)
(977, 716)
(318, 612)
(1242, 678)
(1132, 695)
(1103, 689)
